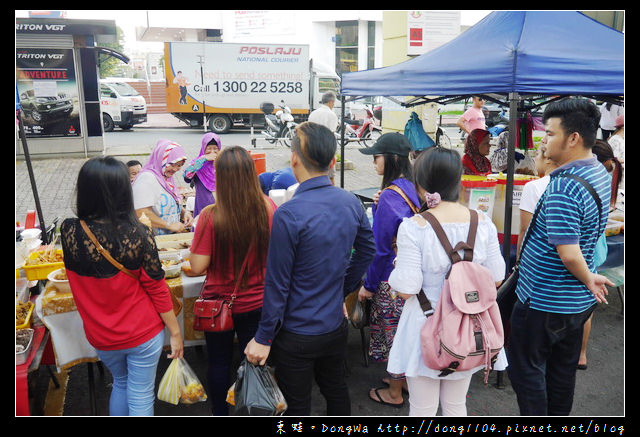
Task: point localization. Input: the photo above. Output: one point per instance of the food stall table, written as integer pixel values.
(187, 289)
(38, 342)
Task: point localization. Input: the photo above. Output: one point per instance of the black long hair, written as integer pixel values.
(103, 192)
(394, 167)
(438, 170)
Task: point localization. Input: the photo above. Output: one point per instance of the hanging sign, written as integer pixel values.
(427, 30)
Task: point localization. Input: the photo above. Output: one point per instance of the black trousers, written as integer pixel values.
(543, 353)
(299, 359)
(220, 348)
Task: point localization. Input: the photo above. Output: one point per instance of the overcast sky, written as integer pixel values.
(129, 19)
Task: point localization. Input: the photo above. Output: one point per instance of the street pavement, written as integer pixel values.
(600, 390)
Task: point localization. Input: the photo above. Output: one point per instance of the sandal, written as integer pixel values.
(386, 382)
(380, 401)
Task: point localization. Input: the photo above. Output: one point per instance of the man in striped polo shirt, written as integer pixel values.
(558, 287)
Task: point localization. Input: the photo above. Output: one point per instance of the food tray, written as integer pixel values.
(174, 243)
(27, 320)
(613, 228)
(174, 270)
(41, 271)
(23, 336)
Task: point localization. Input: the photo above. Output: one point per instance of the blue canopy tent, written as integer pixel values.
(508, 57)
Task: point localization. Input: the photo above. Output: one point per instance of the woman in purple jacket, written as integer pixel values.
(201, 172)
(396, 200)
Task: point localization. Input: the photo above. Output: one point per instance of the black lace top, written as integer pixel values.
(133, 247)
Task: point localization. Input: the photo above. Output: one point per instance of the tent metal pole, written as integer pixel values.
(341, 124)
(32, 179)
(508, 201)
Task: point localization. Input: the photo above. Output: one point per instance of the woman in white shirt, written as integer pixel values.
(422, 264)
(155, 192)
(532, 191)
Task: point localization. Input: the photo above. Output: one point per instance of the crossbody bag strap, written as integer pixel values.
(398, 190)
(590, 189)
(241, 274)
(581, 180)
(238, 280)
(104, 252)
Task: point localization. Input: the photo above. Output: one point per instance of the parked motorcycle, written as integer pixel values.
(366, 132)
(279, 127)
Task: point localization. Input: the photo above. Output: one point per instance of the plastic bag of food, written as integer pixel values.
(256, 392)
(180, 384)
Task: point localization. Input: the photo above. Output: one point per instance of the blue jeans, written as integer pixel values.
(134, 377)
(543, 353)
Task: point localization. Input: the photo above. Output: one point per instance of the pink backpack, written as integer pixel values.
(465, 330)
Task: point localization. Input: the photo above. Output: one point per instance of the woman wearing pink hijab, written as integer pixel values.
(201, 172)
(155, 193)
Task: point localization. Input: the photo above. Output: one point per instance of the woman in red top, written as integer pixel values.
(236, 226)
(476, 150)
(124, 318)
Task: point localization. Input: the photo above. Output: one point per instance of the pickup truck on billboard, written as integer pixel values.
(224, 84)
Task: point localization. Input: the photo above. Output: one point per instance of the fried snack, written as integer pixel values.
(192, 393)
(145, 220)
(45, 257)
(22, 312)
(61, 275)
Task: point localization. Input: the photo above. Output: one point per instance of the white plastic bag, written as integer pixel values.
(180, 384)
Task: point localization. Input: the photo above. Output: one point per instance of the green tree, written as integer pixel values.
(107, 64)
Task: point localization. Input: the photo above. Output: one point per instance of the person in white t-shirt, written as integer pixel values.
(324, 115)
(532, 191)
(608, 114)
(155, 192)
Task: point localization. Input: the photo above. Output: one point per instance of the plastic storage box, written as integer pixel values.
(41, 271)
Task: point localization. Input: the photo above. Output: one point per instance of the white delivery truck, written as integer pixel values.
(224, 84)
(121, 105)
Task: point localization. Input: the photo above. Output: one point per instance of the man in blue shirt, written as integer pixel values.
(558, 287)
(277, 180)
(321, 245)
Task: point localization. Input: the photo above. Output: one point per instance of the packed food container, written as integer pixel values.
(24, 337)
(58, 278)
(24, 313)
(614, 227)
(171, 264)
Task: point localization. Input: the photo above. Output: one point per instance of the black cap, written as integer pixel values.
(393, 143)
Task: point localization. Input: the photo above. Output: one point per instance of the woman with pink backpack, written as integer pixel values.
(422, 265)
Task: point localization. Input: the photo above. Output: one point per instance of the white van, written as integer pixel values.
(121, 105)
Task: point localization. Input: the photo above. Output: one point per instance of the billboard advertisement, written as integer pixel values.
(233, 77)
(48, 92)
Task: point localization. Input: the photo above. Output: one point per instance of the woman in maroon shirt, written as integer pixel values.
(124, 318)
(237, 225)
(476, 149)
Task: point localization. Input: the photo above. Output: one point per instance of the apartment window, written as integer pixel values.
(371, 44)
(346, 46)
